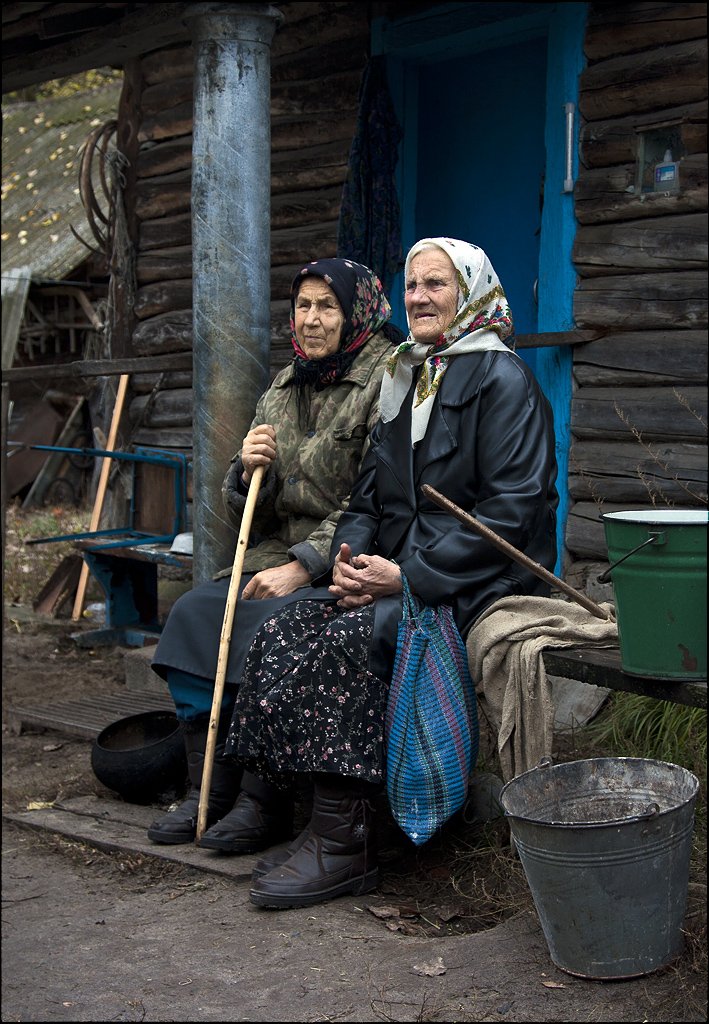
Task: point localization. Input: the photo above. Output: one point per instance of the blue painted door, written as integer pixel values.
(481, 161)
(482, 92)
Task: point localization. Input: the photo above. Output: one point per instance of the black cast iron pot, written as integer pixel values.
(142, 757)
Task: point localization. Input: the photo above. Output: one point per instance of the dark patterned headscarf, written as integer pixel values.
(366, 310)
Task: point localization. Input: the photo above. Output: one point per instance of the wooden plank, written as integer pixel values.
(615, 140)
(54, 461)
(116, 826)
(171, 408)
(643, 357)
(663, 473)
(602, 667)
(163, 297)
(624, 28)
(673, 243)
(636, 301)
(604, 194)
(101, 490)
(60, 587)
(632, 82)
(85, 717)
(659, 414)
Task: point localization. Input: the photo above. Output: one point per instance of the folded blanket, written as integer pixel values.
(505, 656)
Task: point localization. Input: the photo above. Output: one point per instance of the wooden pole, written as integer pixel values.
(224, 643)
(513, 553)
(101, 491)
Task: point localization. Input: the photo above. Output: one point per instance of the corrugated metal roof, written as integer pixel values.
(41, 143)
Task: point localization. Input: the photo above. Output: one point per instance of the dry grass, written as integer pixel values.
(27, 567)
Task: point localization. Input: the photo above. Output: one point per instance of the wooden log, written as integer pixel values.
(168, 65)
(174, 437)
(289, 133)
(675, 242)
(166, 157)
(164, 197)
(656, 413)
(298, 209)
(167, 332)
(672, 472)
(167, 409)
(626, 28)
(304, 179)
(636, 301)
(633, 82)
(144, 383)
(167, 124)
(322, 25)
(615, 141)
(296, 246)
(345, 54)
(165, 232)
(643, 357)
(167, 93)
(163, 297)
(606, 194)
(585, 533)
(164, 264)
(337, 92)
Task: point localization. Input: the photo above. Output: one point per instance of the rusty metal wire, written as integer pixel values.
(101, 175)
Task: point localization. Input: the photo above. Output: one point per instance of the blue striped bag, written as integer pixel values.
(431, 728)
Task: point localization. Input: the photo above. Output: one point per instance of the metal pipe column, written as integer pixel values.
(231, 252)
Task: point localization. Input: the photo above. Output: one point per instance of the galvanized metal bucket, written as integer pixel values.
(659, 571)
(605, 845)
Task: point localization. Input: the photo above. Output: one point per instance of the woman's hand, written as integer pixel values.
(276, 582)
(258, 449)
(361, 580)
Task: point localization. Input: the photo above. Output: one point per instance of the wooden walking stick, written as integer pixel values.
(513, 553)
(224, 643)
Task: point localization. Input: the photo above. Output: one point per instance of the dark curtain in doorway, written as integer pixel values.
(369, 228)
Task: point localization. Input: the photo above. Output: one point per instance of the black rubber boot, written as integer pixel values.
(180, 826)
(262, 816)
(338, 855)
(279, 855)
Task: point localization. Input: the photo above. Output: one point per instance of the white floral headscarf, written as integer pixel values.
(481, 323)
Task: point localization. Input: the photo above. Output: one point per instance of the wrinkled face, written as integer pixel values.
(318, 319)
(431, 296)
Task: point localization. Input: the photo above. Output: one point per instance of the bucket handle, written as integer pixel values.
(655, 537)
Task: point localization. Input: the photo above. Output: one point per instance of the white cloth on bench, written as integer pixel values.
(505, 649)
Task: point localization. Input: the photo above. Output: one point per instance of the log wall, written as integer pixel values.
(317, 58)
(638, 417)
(639, 405)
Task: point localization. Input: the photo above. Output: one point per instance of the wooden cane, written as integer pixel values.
(514, 553)
(224, 643)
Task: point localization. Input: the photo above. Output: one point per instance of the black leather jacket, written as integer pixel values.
(489, 448)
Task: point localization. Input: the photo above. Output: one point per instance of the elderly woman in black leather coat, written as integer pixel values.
(459, 411)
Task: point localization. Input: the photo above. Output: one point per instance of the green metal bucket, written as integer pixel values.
(659, 571)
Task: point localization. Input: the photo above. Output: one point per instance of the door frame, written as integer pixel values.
(458, 29)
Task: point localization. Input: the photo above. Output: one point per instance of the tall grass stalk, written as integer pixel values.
(635, 726)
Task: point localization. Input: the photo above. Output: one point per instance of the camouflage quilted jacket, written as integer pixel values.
(306, 489)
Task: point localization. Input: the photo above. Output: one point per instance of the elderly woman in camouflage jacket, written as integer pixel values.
(310, 431)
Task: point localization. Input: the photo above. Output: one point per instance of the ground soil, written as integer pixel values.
(90, 934)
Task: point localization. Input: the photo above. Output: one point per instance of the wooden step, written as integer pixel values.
(85, 717)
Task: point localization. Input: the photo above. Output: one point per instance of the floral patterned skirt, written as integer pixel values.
(307, 701)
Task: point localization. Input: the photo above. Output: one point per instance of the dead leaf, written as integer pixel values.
(553, 984)
(39, 805)
(431, 970)
(52, 746)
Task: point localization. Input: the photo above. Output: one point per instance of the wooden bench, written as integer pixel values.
(601, 666)
(128, 576)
